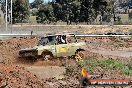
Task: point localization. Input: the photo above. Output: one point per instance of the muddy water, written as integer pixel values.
(126, 54)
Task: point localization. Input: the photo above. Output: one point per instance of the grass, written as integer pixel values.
(124, 17)
(130, 30)
(108, 64)
(1, 20)
(32, 19)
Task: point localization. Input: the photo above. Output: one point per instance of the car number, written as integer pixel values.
(63, 50)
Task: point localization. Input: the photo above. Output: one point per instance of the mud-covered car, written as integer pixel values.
(56, 46)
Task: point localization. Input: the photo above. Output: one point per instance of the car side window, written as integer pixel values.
(61, 39)
(46, 41)
(51, 40)
(43, 41)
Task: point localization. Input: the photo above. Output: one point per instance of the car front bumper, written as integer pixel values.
(28, 53)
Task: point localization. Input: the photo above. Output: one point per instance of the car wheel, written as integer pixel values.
(46, 56)
(80, 55)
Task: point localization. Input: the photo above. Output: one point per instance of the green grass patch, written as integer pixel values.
(108, 64)
(32, 19)
(124, 17)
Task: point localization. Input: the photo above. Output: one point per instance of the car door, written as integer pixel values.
(61, 50)
(71, 48)
(53, 49)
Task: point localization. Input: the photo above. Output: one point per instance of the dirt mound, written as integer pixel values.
(18, 77)
(9, 48)
(111, 43)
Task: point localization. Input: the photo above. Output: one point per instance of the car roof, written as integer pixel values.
(60, 34)
(54, 35)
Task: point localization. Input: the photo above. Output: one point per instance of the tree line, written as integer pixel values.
(75, 11)
(63, 10)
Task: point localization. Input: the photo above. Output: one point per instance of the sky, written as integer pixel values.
(44, 1)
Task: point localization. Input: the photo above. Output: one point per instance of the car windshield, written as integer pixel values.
(50, 40)
(59, 39)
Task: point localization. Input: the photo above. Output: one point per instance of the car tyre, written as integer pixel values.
(80, 55)
(46, 56)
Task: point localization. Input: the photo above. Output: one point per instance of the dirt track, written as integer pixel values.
(18, 69)
(81, 29)
(111, 46)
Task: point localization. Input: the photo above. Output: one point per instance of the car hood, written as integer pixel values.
(32, 48)
(29, 49)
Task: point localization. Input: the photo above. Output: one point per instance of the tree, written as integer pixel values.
(20, 11)
(90, 9)
(107, 11)
(86, 10)
(36, 4)
(3, 7)
(45, 14)
(66, 10)
(78, 10)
